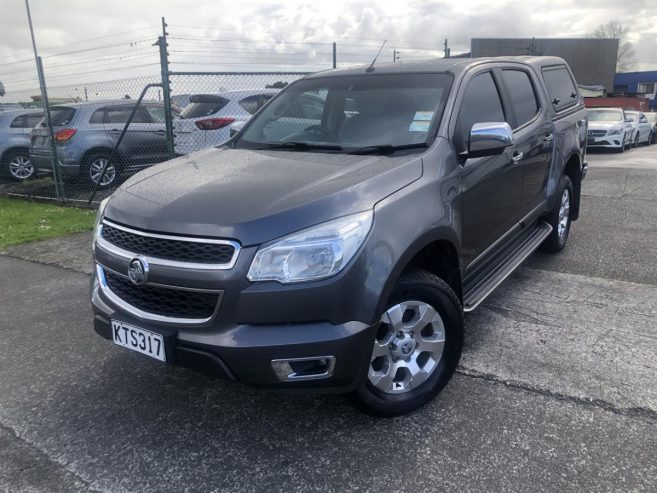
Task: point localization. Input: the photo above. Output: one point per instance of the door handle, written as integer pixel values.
(517, 156)
(115, 131)
(161, 132)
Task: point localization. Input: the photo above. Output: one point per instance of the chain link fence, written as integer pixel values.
(93, 157)
(103, 132)
(216, 105)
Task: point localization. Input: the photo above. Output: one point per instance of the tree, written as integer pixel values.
(615, 30)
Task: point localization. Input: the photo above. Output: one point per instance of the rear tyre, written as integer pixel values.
(416, 349)
(92, 170)
(17, 166)
(559, 218)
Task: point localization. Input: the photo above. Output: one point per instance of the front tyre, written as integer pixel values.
(17, 166)
(417, 347)
(93, 174)
(559, 218)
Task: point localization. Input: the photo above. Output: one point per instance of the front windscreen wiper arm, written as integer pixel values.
(302, 146)
(387, 148)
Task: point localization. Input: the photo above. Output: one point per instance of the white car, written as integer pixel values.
(206, 120)
(608, 128)
(642, 128)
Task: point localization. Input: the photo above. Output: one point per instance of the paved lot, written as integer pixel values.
(556, 390)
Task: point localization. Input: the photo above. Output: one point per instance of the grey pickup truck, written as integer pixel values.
(334, 246)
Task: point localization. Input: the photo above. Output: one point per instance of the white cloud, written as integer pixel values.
(272, 28)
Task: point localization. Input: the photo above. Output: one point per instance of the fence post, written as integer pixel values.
(59, 192)
(335, 55)
(166, 90)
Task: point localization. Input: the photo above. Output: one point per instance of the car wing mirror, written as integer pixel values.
(489, 139)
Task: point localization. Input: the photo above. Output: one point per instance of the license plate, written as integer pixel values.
(140, 340)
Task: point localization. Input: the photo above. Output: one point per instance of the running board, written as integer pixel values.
(485, 282)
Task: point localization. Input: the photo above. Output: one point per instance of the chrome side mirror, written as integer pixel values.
(489, 139)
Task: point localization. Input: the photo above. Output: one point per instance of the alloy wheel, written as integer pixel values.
(21, 167)
(564, 214)
(96, 169)
(408, 347)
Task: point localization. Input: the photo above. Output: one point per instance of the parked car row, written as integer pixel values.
(86, 133)
(615, 128)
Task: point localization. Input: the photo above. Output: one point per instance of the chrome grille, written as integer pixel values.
(597, 133)
(163, 301)
(170, 247)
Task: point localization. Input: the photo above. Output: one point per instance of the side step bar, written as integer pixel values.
(479, 288)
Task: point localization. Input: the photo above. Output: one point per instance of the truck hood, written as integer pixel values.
(256, 196)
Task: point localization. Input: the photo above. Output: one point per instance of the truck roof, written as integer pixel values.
(446, 65)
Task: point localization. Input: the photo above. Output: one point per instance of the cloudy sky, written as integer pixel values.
(93, 40)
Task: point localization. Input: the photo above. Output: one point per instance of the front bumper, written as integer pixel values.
(42, 162)
(608, 141)
(246, 352)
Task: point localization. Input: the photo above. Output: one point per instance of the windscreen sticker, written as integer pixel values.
(424, 116)
(419, 126)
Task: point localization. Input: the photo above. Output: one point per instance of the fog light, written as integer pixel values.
(304, 368)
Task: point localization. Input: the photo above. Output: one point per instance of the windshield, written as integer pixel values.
(351, 113)
(605, 116)
(632, 114)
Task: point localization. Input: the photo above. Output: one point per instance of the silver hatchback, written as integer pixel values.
(86, 134)
(15, 128)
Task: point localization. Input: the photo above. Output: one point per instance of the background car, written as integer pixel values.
(652, 118)
(608, 128)
(15, 128)
(86, 133)
(205, 121)
(641, 126)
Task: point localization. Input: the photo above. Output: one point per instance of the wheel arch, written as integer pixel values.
(573, 170)
(12, 149)
(99, 150)
(436, 252)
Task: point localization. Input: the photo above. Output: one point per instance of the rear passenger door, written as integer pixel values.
(492, 185)
(144, 142)
(532, 134)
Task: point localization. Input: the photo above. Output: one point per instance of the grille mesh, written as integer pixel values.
(179, 250)
(163, 301)
(597, 133)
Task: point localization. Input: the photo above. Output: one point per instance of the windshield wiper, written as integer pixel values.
(302, 146)
(387, 148)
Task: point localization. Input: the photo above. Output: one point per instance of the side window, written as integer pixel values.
(33, 119)
(561, 87)
(120, 114)
(97, 116)
(522, 95)
(251, 103)
(117, 114)
(18, 122)
(481, 103)
(156, 113)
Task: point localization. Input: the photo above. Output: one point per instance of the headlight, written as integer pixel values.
(615, 131)
(99, 218)
(314, 253)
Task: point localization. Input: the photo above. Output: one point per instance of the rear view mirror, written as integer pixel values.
(489, 139)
